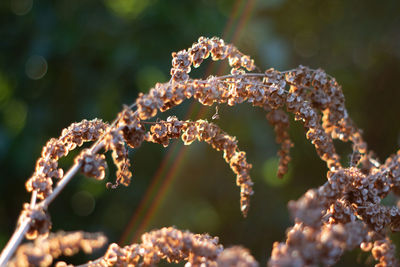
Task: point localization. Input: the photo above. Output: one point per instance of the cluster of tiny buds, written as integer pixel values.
(175, 246)
(114, 140)
(202, 49)
(309, 246)
(92, 165)
(349, 197)
(47, 165)
(161, 132)
(40, 224)
(280, 120)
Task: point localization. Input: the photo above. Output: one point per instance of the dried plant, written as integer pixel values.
(44, 250)
(344, 213)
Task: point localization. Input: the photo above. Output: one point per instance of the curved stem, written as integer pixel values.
(259, 75)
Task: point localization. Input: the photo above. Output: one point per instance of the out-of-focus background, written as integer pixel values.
(63, 61)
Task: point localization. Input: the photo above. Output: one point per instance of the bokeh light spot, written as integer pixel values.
(128, 9)
(36, 67)
(15, 116)
(21, 7)
(270, 169)
(82, 203)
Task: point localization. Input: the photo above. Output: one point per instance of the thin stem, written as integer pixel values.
(132, 106)
(240, 75)
(13, 243)
(251, 74)
(60, 186)
(33, 198)
(67, 178)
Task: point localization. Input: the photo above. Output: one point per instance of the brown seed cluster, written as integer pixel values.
(350, 197)
(92, 165)
(175, 246)
(236, 256)
(165, 96)
(114, 141)
(44, 250)
(132, 128)
(47, 165)
(384, 252)
(163, 131)
(309, 246)
(280, 120)
(167, 244)
(201, 130)
(392, 169)
(202, 49)
(326, 95)
(40, 223)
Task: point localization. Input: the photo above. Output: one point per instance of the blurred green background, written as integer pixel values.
(63, 61)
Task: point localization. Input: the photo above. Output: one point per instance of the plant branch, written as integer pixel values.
(14, 242)
(22, 229)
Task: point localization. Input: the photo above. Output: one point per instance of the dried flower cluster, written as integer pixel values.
(350, 201)
(194, 56)
(280, 120)
(175, 246)
(43, 251)
(47, 165)
(92, 165)
(210, 133)
(344, 213)
(114, 141)
(41, 223)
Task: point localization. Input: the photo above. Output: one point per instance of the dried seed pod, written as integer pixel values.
(280, 120)
(40, 222)
(385, 252)
(41, 183)
(236, 256)
(317, 246)
(92, 165)
(114, 141)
